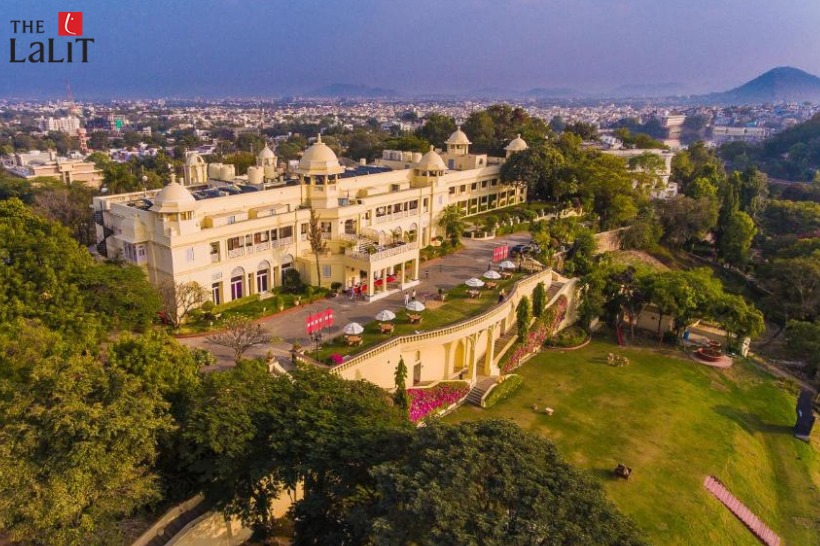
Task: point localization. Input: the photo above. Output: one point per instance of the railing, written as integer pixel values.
(261, 246)
(388, 253)
(236, 252)
(494, 314)
(396, 215)
(282, 242)
(214, 258)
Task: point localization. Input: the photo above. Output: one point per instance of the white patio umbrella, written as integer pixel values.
(353, 329)
(385, 315)
(415, 305)
(506, 264)
(474, 283)
(492, 274)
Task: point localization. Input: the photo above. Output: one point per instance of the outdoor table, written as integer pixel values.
(505, 275)
(414, 319)
(353, 340)
(385, 327)
(490, 285)
(474, 293)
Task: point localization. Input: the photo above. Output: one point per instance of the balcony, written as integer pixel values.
(396, 216)
(381, 252)
(214, 257)
(284, 241)
(236, 252)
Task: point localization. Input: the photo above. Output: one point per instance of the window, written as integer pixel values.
(414, 204)
(236, 287)
(304, 228)
(463, 188)
(140, 253)
(262, 281)
(452, 190)
(260, 237)
(484, 183)
(231, 220)
(274, 234)
(189, 254)
(215, 248)
(216, 290)
(286, 232)
(234, 243)
(326, 271)
(324, 227)
(474, 186)
(248, 240)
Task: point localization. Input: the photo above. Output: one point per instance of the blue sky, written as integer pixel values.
(269, 47)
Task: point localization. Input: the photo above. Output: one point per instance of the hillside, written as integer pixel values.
(784, 83)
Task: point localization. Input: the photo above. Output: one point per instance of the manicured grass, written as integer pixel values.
(456, 307)
(674, 422)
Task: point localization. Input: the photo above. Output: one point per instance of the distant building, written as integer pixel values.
(664, 189)
(237, 236)
(721, 134)
(67, 169)
(68, 124)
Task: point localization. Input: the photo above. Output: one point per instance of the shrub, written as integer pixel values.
(208, 306)
(503, 390)
(309, 291)
(522, 316)
(203, 357)
(278, 302)
(335, 286)
(292, 282)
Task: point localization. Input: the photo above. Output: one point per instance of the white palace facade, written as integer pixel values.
(236, 236)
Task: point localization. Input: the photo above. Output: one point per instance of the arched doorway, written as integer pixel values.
(237, 283)
(263, 283)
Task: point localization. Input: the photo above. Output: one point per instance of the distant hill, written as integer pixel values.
(345, 90)
(665, 89)
(553, 93)
(784, 83)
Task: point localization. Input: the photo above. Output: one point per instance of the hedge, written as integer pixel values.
(503, 390)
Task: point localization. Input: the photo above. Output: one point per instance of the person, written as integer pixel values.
(501, 295)
(413, 297)
(427, 274)
(406, 299)
(490, 267)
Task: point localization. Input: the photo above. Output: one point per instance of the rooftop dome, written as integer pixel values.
(173, 198)
(266, 153)
(431, 161)
(194, 159)
(517, 144)
(319, 159)
(458, 137)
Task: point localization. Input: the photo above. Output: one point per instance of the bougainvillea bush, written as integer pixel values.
(424, 402)
(535, 339)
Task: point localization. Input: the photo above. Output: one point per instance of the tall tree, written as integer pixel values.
(318, 245)
(539, 300)
(436, 129)
(180, 298)
(451, 220)
(400, 398)
(522, 317)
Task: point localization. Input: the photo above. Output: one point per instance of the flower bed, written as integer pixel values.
(426, 401)
(535, 339)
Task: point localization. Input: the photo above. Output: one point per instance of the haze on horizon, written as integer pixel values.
(219, 48)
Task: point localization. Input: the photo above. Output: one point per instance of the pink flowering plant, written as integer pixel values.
(425, 402)
(336, 358)
(536, 336)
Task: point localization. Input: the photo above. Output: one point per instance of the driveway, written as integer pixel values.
(471, 261)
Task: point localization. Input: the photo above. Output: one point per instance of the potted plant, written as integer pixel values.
(335, 287)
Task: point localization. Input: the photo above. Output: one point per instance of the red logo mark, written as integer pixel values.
(71, 23)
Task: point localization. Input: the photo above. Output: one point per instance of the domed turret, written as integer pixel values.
(195, 170)
(266, 161)
(173, 198)
(431, 163)
(458, 143)
(319, 160)
(516, 145)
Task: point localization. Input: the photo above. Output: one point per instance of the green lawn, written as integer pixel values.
(456, 307)
(674, 422)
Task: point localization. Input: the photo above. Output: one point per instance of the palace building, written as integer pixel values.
(236, 236)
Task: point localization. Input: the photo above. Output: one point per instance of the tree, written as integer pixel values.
(791, 217)
(735, 239)
(317, 243)
(737, 317)
(436, 129)
(16, 187)
(539, 300)
(400, 398)
(77, 441)
(803, 341)
(794, 288)
(522, 317)
(240, 334)
(451, 220)
(121, 295)
(685, 219)
(644, 233)
(70, 207)
(490, 483)
(179, 299)
(587, 131)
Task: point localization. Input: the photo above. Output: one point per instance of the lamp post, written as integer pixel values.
(317, 338)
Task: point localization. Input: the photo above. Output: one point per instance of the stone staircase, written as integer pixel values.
(170, 530)
(554, 288)
(503, 343)
(481, 387)
(751, 521)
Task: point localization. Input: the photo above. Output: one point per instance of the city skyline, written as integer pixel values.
(247, 48)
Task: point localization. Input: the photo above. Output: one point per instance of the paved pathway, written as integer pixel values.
(757, 527)
(445, 273)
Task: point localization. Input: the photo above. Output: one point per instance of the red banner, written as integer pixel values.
(319, 321)
(500, 253)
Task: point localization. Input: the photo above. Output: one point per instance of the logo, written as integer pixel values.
(30, 41)
(70, 23)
